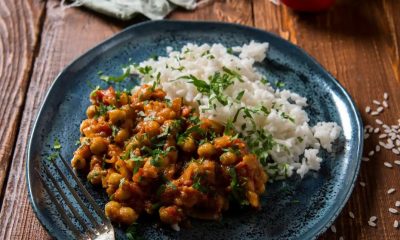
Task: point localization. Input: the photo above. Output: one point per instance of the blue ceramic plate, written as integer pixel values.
(291, 209)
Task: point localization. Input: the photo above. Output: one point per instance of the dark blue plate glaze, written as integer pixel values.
(291, 209)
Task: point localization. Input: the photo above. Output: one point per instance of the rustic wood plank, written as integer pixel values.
(218, 10)
(358, 42)
(66, 34)
(20, 23)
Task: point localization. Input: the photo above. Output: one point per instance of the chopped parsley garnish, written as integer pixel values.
(132, 232)
(56, 145)
(116, 79)
(154, 57)
(145, 70)
(115, 130)
(264, 80)
(157, 82)
(286, 116)
(180, 69)
(53, 156)
(279, 84)
(94, 91)
(240, 95)
(103, 109)
(205, 53)
(237, 190)
(229, 50)
(197, 183)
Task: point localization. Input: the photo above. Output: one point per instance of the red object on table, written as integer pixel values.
(309, 5)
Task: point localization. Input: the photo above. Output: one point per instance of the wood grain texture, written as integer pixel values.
(66, 34)
(219, 10)
(358, 42)
(18, 42)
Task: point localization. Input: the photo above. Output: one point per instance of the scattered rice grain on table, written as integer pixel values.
(390, 191)
(372, 224)
(371, 153)
(377, 148)
(388, 165)
(385, 96)
(365, 159)
(393, 210)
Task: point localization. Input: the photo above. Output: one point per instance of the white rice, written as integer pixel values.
(296, 143)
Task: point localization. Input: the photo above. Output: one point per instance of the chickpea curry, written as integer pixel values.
(154, 156)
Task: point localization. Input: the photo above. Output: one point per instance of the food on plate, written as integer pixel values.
(205, 130)
(155, 155)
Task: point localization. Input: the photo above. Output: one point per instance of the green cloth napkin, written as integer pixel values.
(127, 9)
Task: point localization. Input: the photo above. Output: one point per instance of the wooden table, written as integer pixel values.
(358, 41)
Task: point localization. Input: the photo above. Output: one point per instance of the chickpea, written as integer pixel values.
(222, 142)
(85, 124)
(127, 215)
(170, 215)
(251, 161)
(176, 105)
(110, 189)
(253, 199)
(112, 209)
(210, 124)
(152, 128)
(84, 151)
(167, 114)
(121, 136)
(116, 116)
(122, 194)
(98, 145)
(228, 158)
(114, 179)
(78, 162)
(159, 94)
(188, 144)
(123, 99)
(150, 171)
(120, 166)
(144, 93)
(206, 150)
(94, 176)
(91, 111)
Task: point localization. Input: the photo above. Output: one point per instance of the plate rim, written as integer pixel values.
(313, 232)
